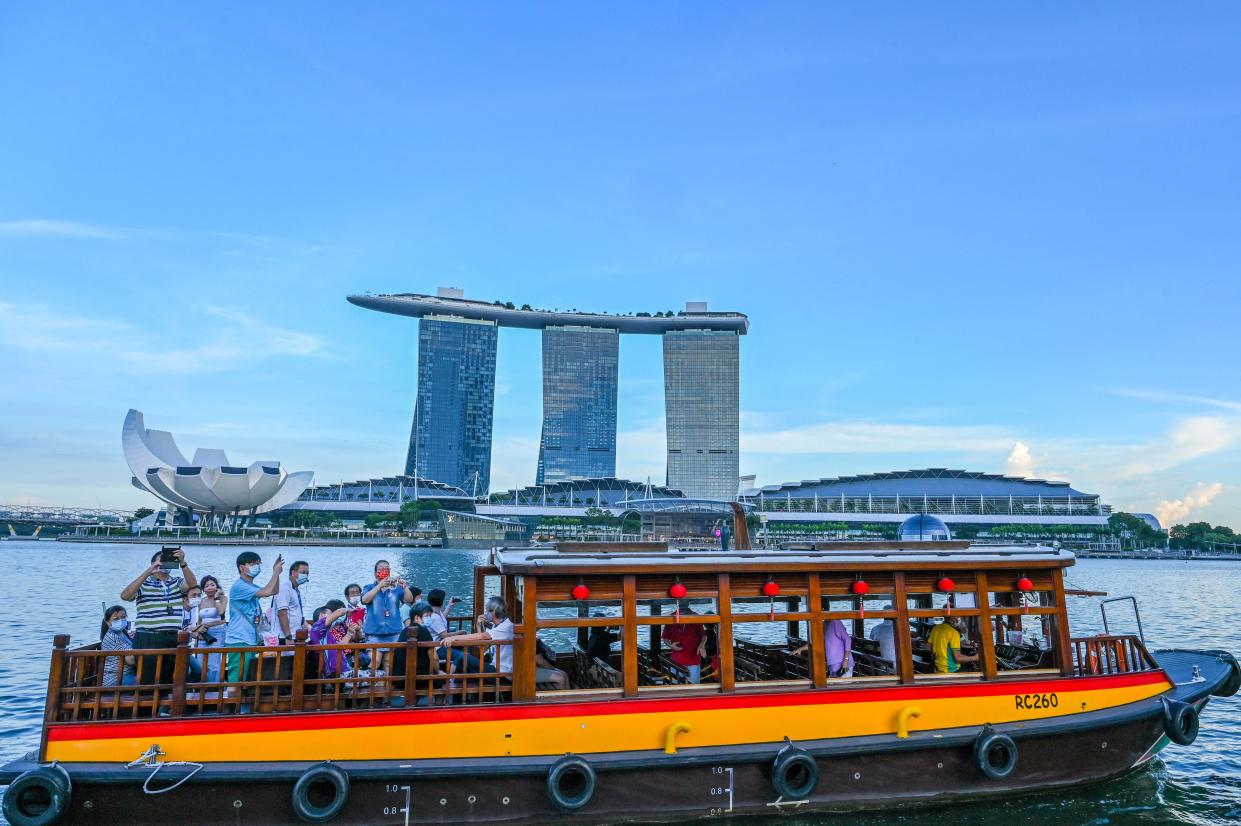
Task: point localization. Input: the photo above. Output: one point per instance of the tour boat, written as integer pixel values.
(1007, 701)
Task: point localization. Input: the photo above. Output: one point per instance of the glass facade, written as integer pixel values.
(579, 404)
(450, 441)
(701, 403)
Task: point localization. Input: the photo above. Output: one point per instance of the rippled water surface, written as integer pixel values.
(48, 588)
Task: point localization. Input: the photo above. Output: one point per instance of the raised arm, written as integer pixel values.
(273, 585)
(373, 592)
(188, 580)
(130, 592)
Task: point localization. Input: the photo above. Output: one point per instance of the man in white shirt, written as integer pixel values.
(286, 605)
(501, 629)
(885, 634)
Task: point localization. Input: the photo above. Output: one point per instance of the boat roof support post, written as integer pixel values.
(817, 637)
(986, 626)
(629, 647)
(725, 635)
(904, 640)
(1064, 648)
(741, 531)
(523, 664)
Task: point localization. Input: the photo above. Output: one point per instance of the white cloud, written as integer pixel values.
(1189, 439)
(36, 227)
(239, 341)
(877, 437)
(1020, 462)
(1171, 512)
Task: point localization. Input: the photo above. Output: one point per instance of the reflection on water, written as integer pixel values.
(48, 588)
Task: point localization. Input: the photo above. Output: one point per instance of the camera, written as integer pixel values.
(168, 559)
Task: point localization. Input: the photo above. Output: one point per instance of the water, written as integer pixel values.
(48, 588)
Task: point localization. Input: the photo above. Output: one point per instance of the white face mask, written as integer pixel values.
(354, 600)
(194, 602)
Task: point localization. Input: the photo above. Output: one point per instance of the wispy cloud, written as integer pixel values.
(877, 437)
(39, 227)
(1171, 512)
(1160, 396)
(1189, 439)
(237, 340)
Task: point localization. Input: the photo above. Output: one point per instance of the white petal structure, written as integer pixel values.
(210, 483)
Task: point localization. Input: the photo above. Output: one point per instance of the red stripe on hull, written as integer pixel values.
(312, 721)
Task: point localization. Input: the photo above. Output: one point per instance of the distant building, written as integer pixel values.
(450, 440)
(451, 436)
(579, 404)
(1149, 519)
(701, 406)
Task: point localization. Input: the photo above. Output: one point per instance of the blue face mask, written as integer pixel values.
(302, 579)
(119, 625)
(254, 569)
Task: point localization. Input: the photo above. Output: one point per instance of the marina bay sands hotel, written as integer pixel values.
(450, 441)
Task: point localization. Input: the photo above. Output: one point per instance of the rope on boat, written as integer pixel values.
(150, 759)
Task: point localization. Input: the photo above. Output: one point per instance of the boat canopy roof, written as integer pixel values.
(637, 557)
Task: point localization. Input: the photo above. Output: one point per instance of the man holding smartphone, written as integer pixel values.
(157, 594)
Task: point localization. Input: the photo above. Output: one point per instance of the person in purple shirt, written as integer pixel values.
(838, 646)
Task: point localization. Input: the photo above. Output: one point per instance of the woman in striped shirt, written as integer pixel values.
(114, 636)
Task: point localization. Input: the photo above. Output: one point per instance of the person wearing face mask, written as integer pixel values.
(114, 636)
(156, 595)
(287, 605)
(331, 626)
(189, 623)
(245, 613)
(383, 600)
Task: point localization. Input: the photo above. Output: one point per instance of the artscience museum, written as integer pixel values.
(209, 486)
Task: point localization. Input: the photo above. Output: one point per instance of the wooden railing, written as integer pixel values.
(1110, 654)
(271, 679)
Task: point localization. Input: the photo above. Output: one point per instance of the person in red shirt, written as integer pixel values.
(688, 645)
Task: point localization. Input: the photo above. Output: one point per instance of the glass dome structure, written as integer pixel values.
(923, 528)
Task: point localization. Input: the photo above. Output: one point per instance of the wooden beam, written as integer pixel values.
(629, 638)
(55, 676)
(1064, 649)
(725, 634)
(818, 639)
(523, 656)
(904, 640)
(986, 629)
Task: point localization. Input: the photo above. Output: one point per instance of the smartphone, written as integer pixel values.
(168, 559)
(357, 615)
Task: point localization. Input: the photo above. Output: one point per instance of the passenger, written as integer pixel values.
(210, 628)
(885, 634)
(331, 627)
(499, 627)
(599, 642)
(158, 604)
(838, 649)
(383, 601)
(189, 624)
(114, 635)
(546, 675)
(945, 642)
(438, 626)
(424, 664)
(246, 614)
(212, 610)
(286, 606)
(688, 644)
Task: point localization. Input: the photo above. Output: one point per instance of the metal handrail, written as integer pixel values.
(1136, 613)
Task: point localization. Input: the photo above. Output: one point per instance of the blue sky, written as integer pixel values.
(966, 236)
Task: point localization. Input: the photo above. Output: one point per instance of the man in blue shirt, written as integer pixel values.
(383, 599)
(244, 611)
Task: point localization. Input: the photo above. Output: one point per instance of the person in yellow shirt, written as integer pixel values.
(945, 641)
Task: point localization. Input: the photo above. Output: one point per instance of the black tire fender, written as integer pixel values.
(1180, 722)
(1233, 683)
(313, 783)
(570, 783)
(794, 773)
(995, 754)
(39, 797)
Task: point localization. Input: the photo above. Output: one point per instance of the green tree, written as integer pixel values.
(141, 513)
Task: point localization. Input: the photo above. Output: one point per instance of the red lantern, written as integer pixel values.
(946, 584)
(580, 591)
(770, 588)
(861, 587)
(677, 591)
(1024, 584)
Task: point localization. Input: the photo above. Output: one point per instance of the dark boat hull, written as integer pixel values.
(672, 791)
